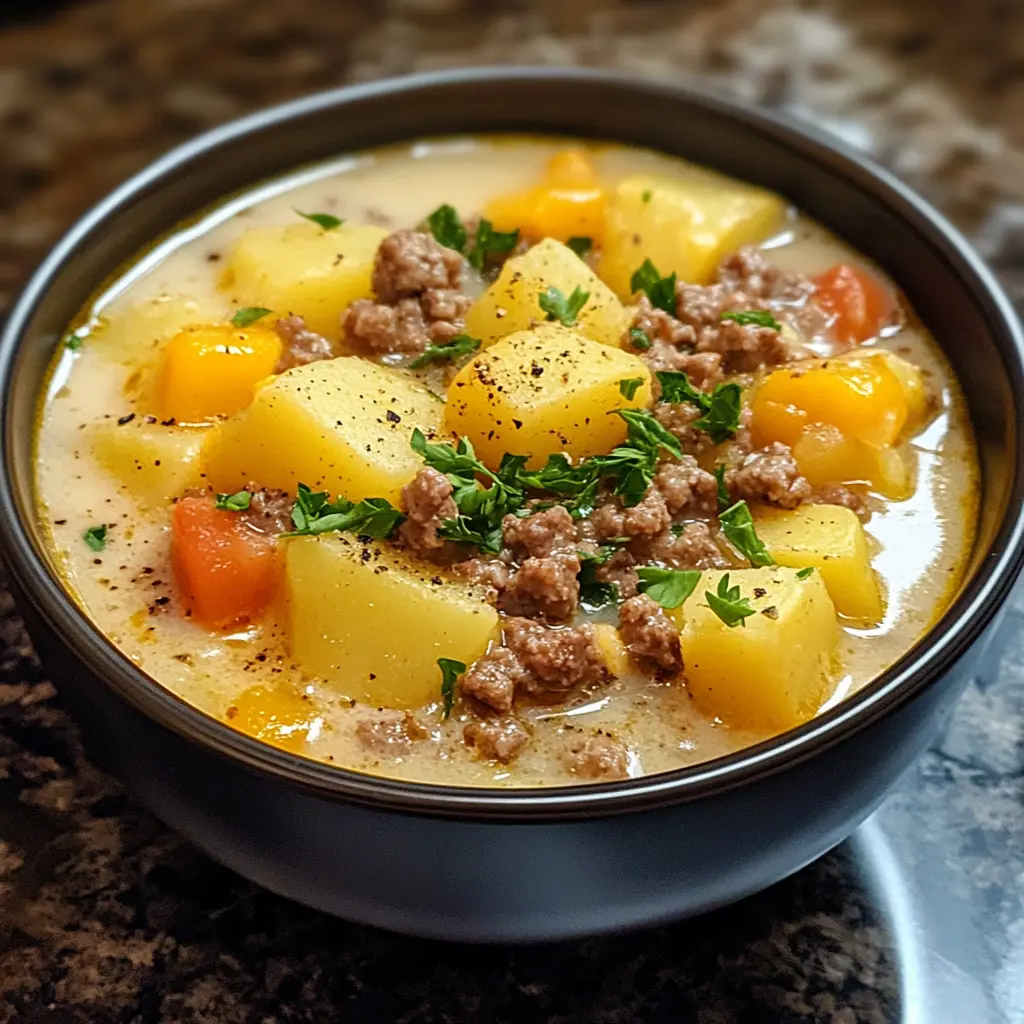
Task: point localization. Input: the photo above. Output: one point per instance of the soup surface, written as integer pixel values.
(278, 461)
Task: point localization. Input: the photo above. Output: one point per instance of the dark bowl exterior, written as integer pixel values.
(524, 865)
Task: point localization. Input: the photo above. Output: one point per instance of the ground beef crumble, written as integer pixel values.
(650, 635)
(556, 660)
(496, 739)
(418, 297)
(540, 534)
(390, 733)
(301, 345)
(494, 678)
(689, 546)
(598, 757)
(269, 511)
(769, 474)
(687, 489)
(427, 502)
(544, 588)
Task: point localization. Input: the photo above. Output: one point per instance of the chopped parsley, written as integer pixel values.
(727, 604)
(593, 592)
(805, 572)
(314, 513)
(629, 386)
(489, 242)
(660, 290)
(448, 230)
(325, 220)
(96, 537)
(561, 308)
(580, 244)
(720, 410)
(738, 527)
(645, 196)
(73, 341)
(249, 315)
(450, 672)
(753, 317)
(237, 502)
(669, 587)
(638, 338)
(724, 501)
(460, 345)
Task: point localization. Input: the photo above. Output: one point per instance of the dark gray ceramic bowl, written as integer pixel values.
(524, 864)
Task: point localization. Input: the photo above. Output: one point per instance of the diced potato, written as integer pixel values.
(213, 370)
(826, 456)
(831, 539)
(544, 391)
(131, 333)
(512, 304)
(152, 462)
(340, 425)
(613, 651)
(301, 268)
(776, 670)
(685, 225)
(370, 621)
(859, 396)
(569, 201)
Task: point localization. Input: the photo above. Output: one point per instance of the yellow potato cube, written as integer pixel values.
(774, 671)
(511, 304)
(340, 425)
(831, 539)
(685, 225)
(301, 268)
(344, 610)
(544, 391)
(213, 370)
(614, 652)
(153, 463)
(130, 333)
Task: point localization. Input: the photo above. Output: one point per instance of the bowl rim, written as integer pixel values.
(959, 627)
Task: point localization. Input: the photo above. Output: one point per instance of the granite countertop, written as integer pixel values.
(106, 916)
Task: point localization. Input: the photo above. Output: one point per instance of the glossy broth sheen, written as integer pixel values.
(246, 678)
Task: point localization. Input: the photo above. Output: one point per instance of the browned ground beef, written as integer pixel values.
(651, 636)
(744, 347)
(677, 418)
(647, 518)
(598, 757)
(540, 534)
(769, 474)
(544, 588)
(838, 494)
(390, 733)
(747, 272)
(494, 678)
(496, 739)
(620, 570)
(492, 573)
(301, 345)
(556, 660)
(690, 546)
(687, 489)
(659, 326)
(269, 511)
(427, 502)
(418, 300)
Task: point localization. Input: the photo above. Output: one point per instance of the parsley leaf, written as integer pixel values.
(447, 228)
(450, 672)
(593, 592)
(313, 514)
(460, 345)
(646, 432)
(676, 388)
(489, 242)
(629, 386)
(74, 341)
(96, 537)
(669, 587)
(756, 317)
(645, 196)
(464, 530)
(638, 338)
(249, 315)
(721, 409)
(326, 220)
(580, 244)
(738, 527)
(727, 604)
(237, 502)
(724, 501)
(660, 290)
(565, 310)
(805, 573)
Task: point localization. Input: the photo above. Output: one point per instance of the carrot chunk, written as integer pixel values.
(858, 301)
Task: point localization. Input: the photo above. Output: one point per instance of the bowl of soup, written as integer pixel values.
(503, 505)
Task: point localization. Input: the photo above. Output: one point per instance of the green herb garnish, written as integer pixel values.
(593, 592)
(237, 502)
(450, 672)
(660, 290)
(557, 307)
(325, 220)
(447, 228)
(645, 196)
(638, 338)
(629, 386)
(647, 433)
(738, 527)
(721, 409)
(804, 573)
(314, 513)
(96, 537)
(755, 317)
(460, 345)
(727, 604)
(580, 244)
(724, 501)
(249, 315)
(669, 587)
(74, 341)
(489, 242)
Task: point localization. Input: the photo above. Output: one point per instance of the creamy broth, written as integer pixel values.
(247, 677)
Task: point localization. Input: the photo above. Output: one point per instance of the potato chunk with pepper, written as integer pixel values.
(683, 225)
(513, 302)
(544, 391)
(343, 592)
(341, 425)
(775, 669)
(304, 269)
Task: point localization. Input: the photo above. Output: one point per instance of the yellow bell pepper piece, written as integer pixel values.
(826, 456)
(213, 371)
(861, 397)
(568, 202)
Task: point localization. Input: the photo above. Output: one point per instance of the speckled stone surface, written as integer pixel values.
(106, 916)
